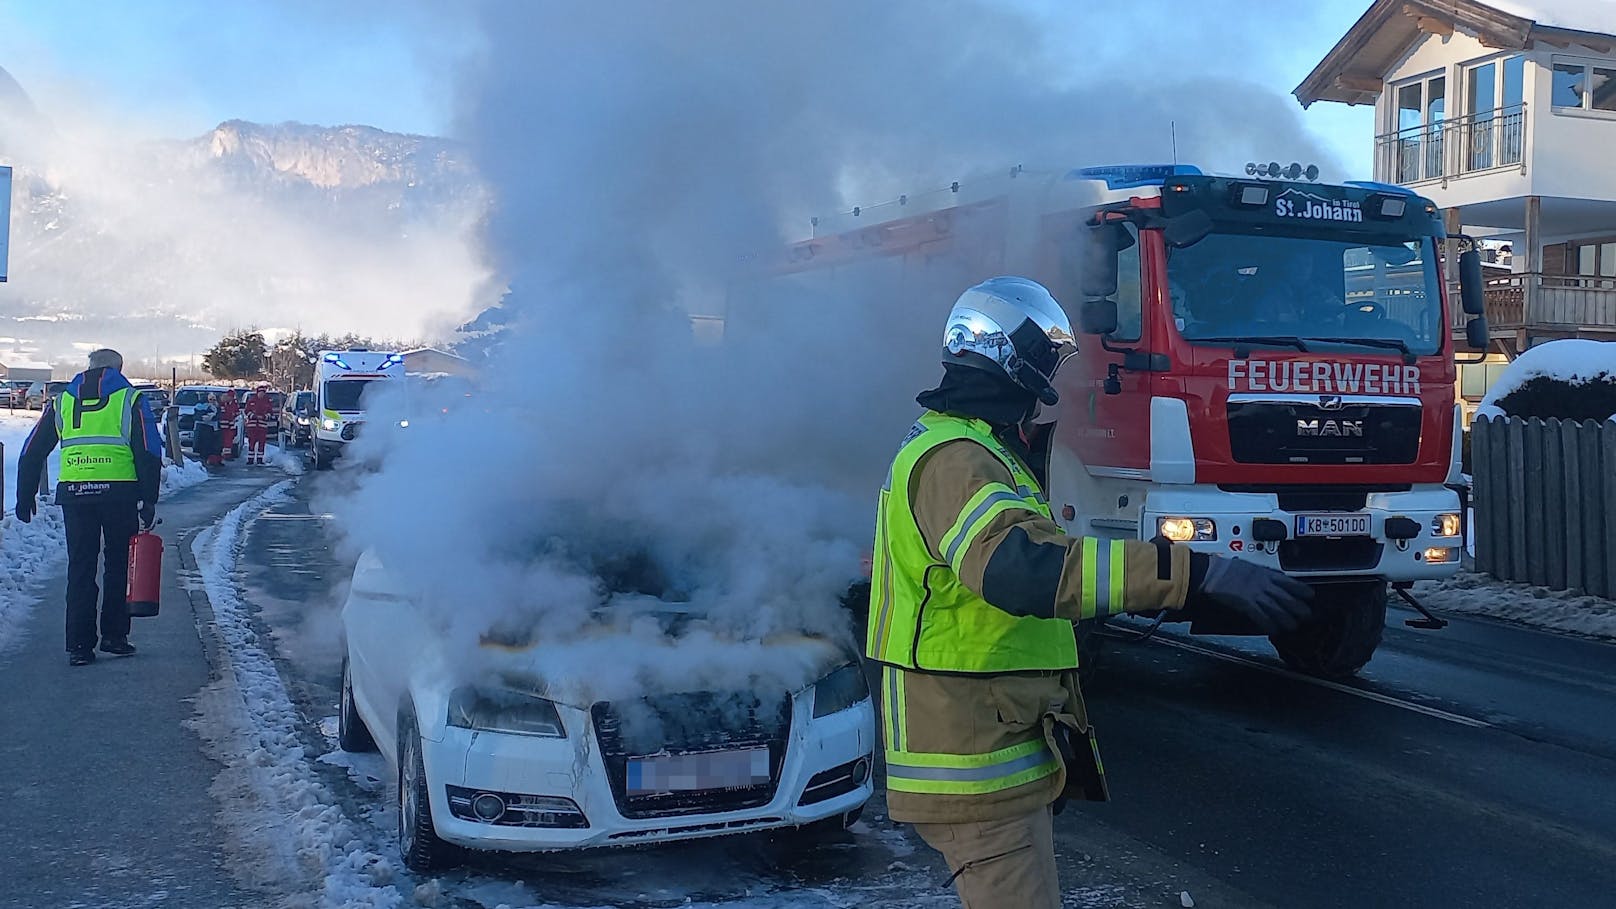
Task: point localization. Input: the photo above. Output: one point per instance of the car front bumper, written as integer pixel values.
(573, 768)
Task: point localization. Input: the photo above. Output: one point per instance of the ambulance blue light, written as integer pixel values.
(1379, 187)
(1127, 176)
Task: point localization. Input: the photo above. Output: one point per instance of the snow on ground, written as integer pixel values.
(1556, 610)
(289, 814)
(29, 552)
(1572, 360)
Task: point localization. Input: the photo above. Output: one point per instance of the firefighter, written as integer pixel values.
(205, 431)
(975, 589)
(229, 413)
(112, 465)
(260, 409)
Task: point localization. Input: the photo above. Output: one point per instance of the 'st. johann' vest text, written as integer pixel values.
(1324, 377)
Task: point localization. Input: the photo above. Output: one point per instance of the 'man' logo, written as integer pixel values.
(1338, 428)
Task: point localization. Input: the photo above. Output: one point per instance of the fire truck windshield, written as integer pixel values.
(1325, 292)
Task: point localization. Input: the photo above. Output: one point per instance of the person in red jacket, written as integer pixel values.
(229, 411)
(260, 409)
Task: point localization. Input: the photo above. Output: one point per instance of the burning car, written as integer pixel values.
(512, 742)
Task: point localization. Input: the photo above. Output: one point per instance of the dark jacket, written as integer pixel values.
(143, 440)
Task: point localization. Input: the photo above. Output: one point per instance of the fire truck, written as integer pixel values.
(1265, 371)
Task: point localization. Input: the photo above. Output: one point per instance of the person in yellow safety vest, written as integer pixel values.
(111, 469)
(974, 593)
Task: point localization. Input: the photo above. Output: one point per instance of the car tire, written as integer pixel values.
(353, 735)
(1348, 622)
(418, 843)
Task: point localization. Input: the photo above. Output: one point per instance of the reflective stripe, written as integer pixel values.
(994, 498)
(981, 524)
(77, 441)
(1027, 492)
(1104, 577)
(883, 620)
(968, 774)
(1119, 577)
(894, 699)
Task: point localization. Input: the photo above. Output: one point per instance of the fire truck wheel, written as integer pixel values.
(1348, 622)
(352, 733)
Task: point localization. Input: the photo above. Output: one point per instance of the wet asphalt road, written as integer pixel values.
(1474, 766)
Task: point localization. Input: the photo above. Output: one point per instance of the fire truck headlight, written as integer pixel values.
(1187, 530)
(1445, 525)
(1440, 556)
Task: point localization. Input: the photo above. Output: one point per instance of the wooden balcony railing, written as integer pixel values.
(1528, 300)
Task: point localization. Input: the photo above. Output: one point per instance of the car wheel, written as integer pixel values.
(352, 733)
(418, 842)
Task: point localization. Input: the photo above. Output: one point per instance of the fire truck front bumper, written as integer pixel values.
(1392, 536)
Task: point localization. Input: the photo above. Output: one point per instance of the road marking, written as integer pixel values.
(1323, 683)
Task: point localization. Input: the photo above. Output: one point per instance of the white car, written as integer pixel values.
(484, 762)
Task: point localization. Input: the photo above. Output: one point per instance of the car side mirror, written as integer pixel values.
(1100, 249)
(1472, 284)
(1476, 336)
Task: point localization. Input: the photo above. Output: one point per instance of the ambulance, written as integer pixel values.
(341, 380)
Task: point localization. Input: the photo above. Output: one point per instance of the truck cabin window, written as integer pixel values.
(343, 396)
(1327, 293)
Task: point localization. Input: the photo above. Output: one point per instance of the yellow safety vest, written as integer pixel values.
(94, 436)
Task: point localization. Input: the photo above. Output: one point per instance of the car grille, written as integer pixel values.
(1299, 432)
(187, 422)
(688, 723)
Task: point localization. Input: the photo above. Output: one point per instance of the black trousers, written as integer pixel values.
(90, 524)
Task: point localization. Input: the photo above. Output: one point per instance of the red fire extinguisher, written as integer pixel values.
(145, 573)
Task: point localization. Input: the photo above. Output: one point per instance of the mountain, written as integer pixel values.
(159, 246)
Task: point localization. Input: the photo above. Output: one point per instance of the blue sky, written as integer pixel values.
(186, 65)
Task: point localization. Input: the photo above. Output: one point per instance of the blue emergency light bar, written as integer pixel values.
(1127, 176)
(393, 360)
(333, 358)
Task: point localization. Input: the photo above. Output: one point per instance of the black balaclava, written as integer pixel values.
(986, 395)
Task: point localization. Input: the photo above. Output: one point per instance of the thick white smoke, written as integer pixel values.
(638, 152)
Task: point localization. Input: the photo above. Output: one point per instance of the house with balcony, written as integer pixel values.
(1503, 112)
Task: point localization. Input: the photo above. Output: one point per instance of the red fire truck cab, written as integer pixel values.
(1265, 368)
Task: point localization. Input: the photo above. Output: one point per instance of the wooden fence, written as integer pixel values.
(1545, 502)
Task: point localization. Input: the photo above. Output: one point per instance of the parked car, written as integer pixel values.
(187, 397)
(16, 392)
(156, 397)
(506, 749)
(40, 392)
(297, 419)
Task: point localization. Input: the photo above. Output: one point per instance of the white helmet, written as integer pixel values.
(1012, 325)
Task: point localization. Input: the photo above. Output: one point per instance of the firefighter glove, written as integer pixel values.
(1271, 600)
(25, 509)
(148, 515)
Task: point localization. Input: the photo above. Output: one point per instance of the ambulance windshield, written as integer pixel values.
(1331, 294)
(342, 395)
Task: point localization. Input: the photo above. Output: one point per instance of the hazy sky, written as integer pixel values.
(186, 65)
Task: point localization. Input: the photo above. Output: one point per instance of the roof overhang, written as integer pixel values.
(1354, 71)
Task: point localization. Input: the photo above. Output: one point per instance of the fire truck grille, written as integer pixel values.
(1297, 432)
(690, 723)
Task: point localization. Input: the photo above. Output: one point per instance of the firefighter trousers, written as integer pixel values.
(110, 522)
(1008, 864)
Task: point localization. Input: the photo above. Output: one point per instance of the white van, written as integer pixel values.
(340, 380)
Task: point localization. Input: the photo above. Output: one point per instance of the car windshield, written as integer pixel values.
(1321, 292)
(187, 397)
(342, 395)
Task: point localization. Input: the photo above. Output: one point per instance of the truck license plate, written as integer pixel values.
(737, 769)
(1332, 525)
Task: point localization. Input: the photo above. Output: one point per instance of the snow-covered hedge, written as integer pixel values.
(1569, 379)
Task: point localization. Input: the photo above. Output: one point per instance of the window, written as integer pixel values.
(1584, 86)
(1130, 306)
(1495, 113)
(1597, 259)
(1421, 108)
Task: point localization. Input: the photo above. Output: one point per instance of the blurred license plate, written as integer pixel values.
(1332, 525)
(736, 769)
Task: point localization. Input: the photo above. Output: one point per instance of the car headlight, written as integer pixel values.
(840, 690)
(1187, 530)
(328, 424)
(1445, 525)
(512, 712)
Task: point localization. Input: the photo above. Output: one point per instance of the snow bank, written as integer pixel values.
(1556, 610)
(291, 813)
(1571, 360)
